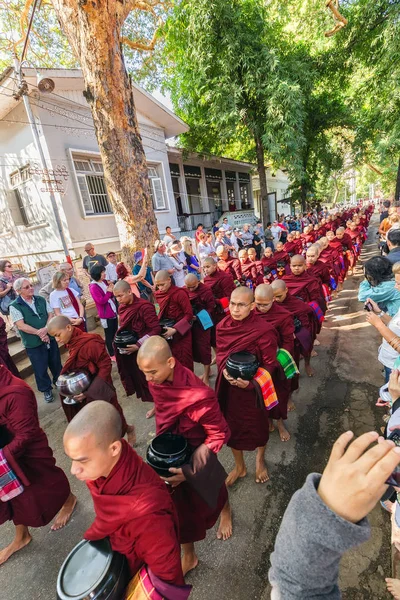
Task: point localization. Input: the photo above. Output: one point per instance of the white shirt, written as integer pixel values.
(276, 231)
(167, 239)
(180, 272)
(111, 272)
(60, 299)
(387, 355)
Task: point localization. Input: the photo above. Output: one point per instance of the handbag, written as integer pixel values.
(6, 300)
(143, 587)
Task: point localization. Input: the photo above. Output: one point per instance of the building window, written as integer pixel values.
(156, 188)
(92, 186)
(22, 198)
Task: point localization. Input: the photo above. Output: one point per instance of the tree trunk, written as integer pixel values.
(303, 197)
(397, 192)
(93, 30)
(264, 206)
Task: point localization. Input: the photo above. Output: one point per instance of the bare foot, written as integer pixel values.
(131, 435)
(283, 432)
(214, 361)
(271, 426)
(317, 343)
(15, 545)
(261, 471)
(65, 513)
(313, 354)
(235, 475)
(393, 586)
(309, 370)
(151, 413)
(225, 525)
(205, 380)
(291, 406)
(189, 562)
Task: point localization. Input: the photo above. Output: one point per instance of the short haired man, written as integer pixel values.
(169, 236)
(160, 261)
(385, 213)
(92, 259)
(30, 315)
(111, 268)
(225, 225)
(393, 242)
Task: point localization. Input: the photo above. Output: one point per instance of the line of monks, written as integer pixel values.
(262, 307)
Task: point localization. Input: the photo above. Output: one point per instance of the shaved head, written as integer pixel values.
(156, 361)
(241, 303)
(122, 286)
(191, 280)
(93, 442)
(209, 266)
(208, 261)
(264, 292)
(298, 258)
(242, 294)
(98, 419)
(60, 322)
(221, 251)
(162, 276)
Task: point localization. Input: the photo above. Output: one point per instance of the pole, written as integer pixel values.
(39, 148)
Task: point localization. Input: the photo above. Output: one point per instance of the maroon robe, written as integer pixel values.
(304, 286)
(282, 321)
(5, 358)
(88, 351)
(291, 248)
(282, 256)
(201, 299)
(222, 286)
(320, 270)
(29, 455)
(270, 263)
(175, 304)
(231, 265)
(249, 272)
(135, 511)
(247, 421)
(140, 317)
(189, 407)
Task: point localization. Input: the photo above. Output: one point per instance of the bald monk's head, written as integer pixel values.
(297, 264)
(312, 254)
(92, 440)
(191, 282)
(252, 254)
(163, 281)
(156, 361)
(241, 303)
(330, 236)
(279, 289)
(340, 233)
(264, 297)
(279, 246)
(268, 252)
(209, 266)
(323, 243)
(243, 255)
(222, 252)
(123, 292)
(61, 328)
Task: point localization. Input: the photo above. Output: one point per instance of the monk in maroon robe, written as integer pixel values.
(252, 254)
(5, 358)
(268, 267)
(139, 316)
(175, 305)
(247, 418)
(304, 325)
(249, 269)
(201, 298)
(132, 505)
(291, 246)
(222, 285)
(281, 320)
(280, 254)
(228, 263)
(301, 284)
(186, 406)
(26, 449)
(336, 252)
(87, 351)
(316, 267)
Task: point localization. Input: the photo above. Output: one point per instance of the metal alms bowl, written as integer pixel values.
(125, 338)
(73, 383)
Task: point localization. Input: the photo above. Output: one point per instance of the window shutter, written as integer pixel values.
(14, 202)
(158, 193)
(85, 195)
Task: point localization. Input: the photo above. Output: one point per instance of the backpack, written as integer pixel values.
(6, 300)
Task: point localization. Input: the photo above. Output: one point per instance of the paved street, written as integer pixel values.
(341, 396)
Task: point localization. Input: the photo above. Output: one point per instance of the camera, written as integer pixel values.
(368, 306)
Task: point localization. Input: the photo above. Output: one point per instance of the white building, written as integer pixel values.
(279, 201)
(28, 231)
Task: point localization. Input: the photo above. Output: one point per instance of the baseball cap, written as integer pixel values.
(138, 256)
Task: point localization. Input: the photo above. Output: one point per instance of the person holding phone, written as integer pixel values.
(327, 517)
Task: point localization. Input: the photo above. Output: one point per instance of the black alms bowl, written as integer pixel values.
(92, 571)
(166, 323)
(243, 365)
(168, 450)
(125, 338)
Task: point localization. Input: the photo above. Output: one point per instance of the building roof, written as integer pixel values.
(72, 80)
(174, 151)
